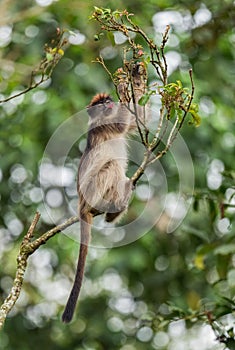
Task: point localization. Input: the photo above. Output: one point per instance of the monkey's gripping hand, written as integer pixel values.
(123, 92)
(139, 80)
(132, 82)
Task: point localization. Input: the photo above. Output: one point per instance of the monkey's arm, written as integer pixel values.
(130, 109)
(138, 86)
(139, 80)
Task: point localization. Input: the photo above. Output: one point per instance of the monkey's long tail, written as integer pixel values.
(85, 237)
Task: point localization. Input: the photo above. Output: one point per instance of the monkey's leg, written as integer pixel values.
(111, 217)
(117, 208)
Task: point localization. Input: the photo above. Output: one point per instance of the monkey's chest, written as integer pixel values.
(109, 158)
(110, 152)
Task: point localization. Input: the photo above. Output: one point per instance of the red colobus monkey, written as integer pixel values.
(103, 186)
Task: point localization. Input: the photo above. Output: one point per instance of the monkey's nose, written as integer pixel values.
(110, 105)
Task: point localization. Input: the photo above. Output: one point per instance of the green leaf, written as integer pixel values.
(49, 56)
(206, 248)
(228, 300)
(97, 37)
(106, 11)
(147, 60)
(196, 117)
(110, 36)
(145, 97)
(222, 265)
(117, 14)
(225, 249)
(199, 261)
(98, 10)
(71, 32)
(194, 107)
(172, 112)
(179, 83)
(212, 209)
(202, 234)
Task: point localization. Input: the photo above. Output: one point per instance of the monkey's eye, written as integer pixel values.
(109, 104)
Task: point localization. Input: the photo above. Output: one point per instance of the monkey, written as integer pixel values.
(102, 184)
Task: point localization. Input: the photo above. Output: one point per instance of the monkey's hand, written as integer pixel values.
(123, 92)
(139, 79)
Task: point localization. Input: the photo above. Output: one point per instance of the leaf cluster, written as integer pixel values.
(176, 100)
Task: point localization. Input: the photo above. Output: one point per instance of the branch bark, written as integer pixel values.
(28, 247)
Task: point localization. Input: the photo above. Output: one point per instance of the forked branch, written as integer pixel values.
(27, 248)
(176, 103)
(53, 54)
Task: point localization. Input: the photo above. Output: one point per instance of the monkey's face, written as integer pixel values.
(106, 107)
(101, 105)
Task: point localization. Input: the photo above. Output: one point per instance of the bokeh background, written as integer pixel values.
(165, 290)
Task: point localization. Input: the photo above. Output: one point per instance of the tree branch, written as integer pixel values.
(176, 101)
(28, 247)
(53, 54)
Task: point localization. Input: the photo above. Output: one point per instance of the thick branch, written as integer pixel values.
(28, 247)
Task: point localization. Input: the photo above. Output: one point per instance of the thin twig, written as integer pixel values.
(31, 87)
(190, 99)
(46, 66)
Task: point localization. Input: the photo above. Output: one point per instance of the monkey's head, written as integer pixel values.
(101, 104)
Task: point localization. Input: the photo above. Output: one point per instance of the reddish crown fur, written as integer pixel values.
(99, 98)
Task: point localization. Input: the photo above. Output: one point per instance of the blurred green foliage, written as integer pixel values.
(164, 290)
